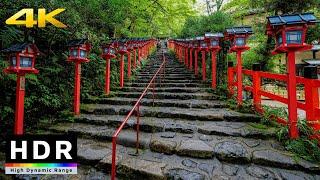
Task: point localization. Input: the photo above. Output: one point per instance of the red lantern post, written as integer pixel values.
(108, 53)
(196, 45)
(238, 37)
(213, 41)
(130, 48)
(79, 50)
(186, 52)
(190, 55)
(122, 50)
(203, 49)
(289, 32)
(135, 47)
(21, 59)
(139, 51)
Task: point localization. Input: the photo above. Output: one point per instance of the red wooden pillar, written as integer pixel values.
(203, 65)
(312, 103)
(129, 64)
(19, 112)
(143, 52)
(77, 78)
(256, 84)
(230, 79)
(187, 57)
(239, 78)
(121, 70)
(139, 56)
(180, 54)
(107, 85)
(134, 58)
(196, 62)
(190, 59)
(213, 69)
(292, 95)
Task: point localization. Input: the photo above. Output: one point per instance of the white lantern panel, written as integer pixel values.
(294, 37)
(214, 43)
(13, 61)
(83, 53)
(74, 53)
(279, 39)
(240, 42)
(25, 61)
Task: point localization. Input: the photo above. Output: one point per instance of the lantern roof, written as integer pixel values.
(20, 47)
(213, 35)
(77, 42)
(289, 19)
(240, 30)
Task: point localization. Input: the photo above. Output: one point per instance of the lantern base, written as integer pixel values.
(293, 47)
(21, 71)
(203, 49)
(108, 56)
(122, 52)
(77, 60)
(239, 48)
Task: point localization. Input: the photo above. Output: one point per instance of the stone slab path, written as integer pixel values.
(186, 133)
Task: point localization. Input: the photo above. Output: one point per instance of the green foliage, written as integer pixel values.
(305, 148)
(313, 34)
(270, 112)
(285, 6)
(246, 106)
(302, 147)
(216, 22)
(238, 8)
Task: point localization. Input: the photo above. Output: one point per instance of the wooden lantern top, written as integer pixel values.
(278, 27)
(278, 22)
(238, 32)
(26, 50)
(109, 46)
(122, 46)
(209, 37)
(79, 44)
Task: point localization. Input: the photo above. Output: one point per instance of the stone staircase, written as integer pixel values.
(186, 133)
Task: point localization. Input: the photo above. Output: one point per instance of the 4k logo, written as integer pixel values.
(43, 18)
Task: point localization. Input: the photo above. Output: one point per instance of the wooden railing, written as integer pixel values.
(311, 92)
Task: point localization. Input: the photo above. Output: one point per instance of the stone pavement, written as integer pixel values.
(187, 134)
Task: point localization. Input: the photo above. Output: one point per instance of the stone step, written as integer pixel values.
(169, 77)
(166, 89)
(152, 165)
(134, 84)
(236, 150)
(167, 68)
(169, 95)
(150, 71)
(192, 114)
(159, 102)
(168, 80)
(152, 124)
(127, 137)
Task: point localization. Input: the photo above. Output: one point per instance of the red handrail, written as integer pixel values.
(136, 108)
(311, 104)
